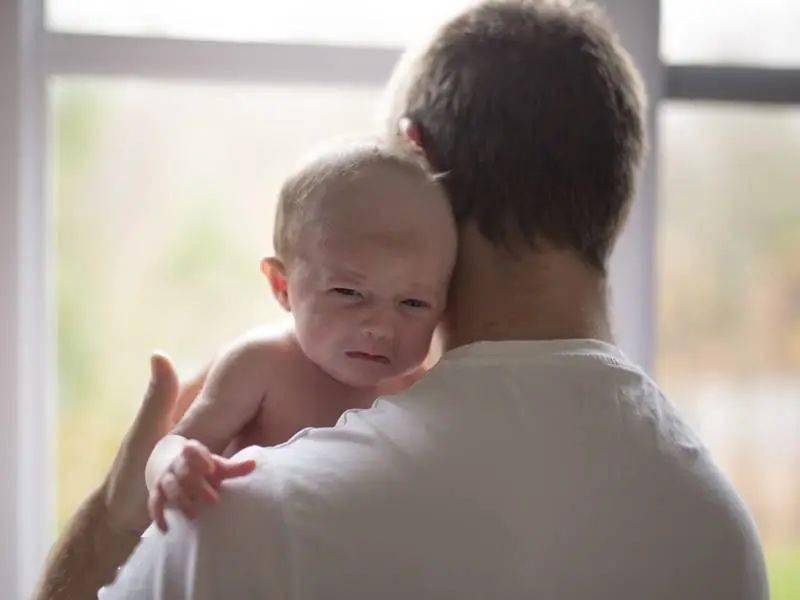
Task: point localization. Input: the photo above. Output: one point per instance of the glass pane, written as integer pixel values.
(729, 303)
(353, 22)
(748, 32)
(163, 201)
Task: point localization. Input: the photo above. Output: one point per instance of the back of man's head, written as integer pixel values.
(533, 111)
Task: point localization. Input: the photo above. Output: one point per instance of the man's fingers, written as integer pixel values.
(125, 494)
(153, 420)
(227, 468)
(160, 398)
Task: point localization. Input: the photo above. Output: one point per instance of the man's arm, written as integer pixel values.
(106, 527)
(87, 554)
(108, 524)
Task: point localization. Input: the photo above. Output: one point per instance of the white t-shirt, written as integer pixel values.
(515, 469)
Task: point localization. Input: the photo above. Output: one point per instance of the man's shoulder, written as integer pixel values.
(236, 549)
(250, 509)
(724, 535)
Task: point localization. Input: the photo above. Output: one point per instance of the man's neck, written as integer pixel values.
(543, 295)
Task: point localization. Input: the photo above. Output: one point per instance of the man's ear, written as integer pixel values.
(275, 272)
(411, 132)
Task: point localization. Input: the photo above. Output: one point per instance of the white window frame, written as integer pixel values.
(29, 56)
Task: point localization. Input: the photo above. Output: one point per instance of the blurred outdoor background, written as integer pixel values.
(163, 196)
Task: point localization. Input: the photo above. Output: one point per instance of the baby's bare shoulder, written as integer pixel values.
(253, 357)
(238, 382)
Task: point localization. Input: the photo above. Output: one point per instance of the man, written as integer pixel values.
(534, 460)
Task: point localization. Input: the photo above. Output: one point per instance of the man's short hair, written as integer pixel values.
(333, 164)
(533, 110)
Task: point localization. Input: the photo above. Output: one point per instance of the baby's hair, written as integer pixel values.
(332, 164)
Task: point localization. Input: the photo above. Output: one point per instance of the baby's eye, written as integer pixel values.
(414, 303)
(346, 292)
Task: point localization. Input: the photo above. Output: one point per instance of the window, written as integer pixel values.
(344, 22)
(728, 319)
(115, 112)
(745, 32)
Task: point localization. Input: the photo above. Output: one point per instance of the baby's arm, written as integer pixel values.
(184, 467)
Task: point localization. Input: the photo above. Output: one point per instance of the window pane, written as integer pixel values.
(163, 200)
(748, 32)
(729, 302)
(344, 21)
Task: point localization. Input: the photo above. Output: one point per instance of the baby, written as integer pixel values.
(365, 244)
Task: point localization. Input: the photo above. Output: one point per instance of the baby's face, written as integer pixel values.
(369, 282)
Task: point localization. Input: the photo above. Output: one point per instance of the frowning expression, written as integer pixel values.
(369, 283)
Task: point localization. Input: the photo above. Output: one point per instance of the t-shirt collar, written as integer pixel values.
(535, 349)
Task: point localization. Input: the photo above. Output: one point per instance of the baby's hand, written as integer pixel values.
(194, 475)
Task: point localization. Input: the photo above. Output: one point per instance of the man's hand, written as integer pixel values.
(106, 527)
(124, 490)
(194, 475)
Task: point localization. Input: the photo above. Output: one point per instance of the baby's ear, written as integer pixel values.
(275, 272)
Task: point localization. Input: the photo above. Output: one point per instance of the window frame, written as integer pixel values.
(738, 84)
(30, 55)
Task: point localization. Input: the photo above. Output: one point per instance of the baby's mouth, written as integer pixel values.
(378, 358)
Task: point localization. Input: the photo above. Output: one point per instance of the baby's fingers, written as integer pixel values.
(197, 458)
(208, 493)
(225, 468)
(195, 484)
(155, 506)
(177, 496)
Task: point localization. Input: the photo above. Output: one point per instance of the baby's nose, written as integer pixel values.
(378, 327)
(377, 330)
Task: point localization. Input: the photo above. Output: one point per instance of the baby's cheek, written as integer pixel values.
(420, 342)
(315, 319)
(311, 329)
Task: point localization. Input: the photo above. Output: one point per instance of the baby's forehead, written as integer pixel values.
(377, 200)
(361, 255)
